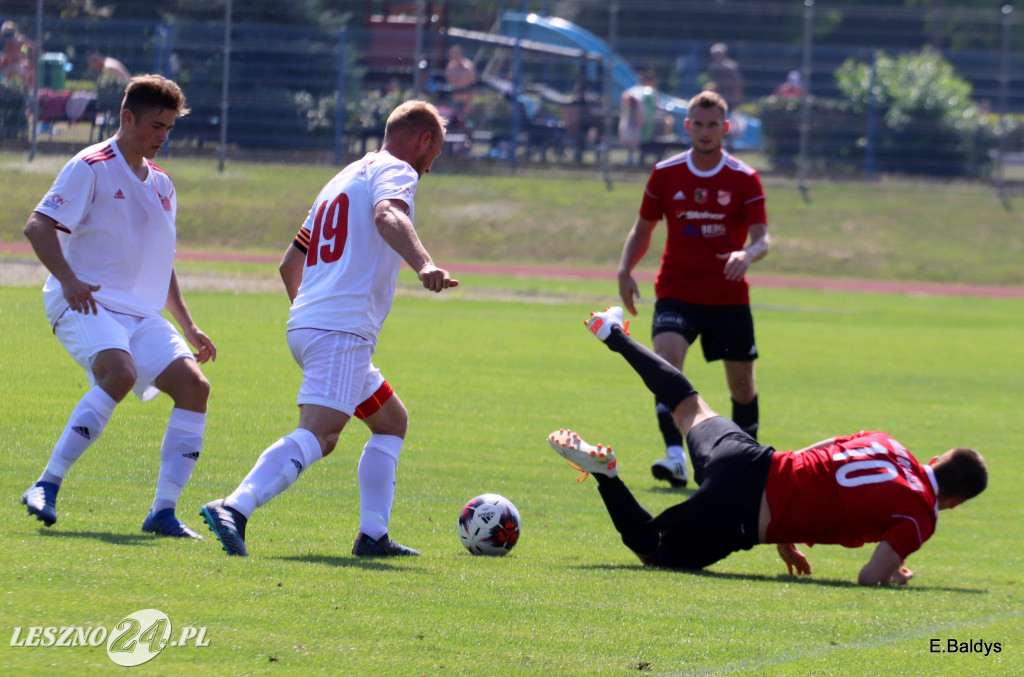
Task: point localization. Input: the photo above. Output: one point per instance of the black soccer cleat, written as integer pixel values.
(228, 525)
(382, 547)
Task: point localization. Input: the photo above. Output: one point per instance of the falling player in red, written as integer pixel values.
(711, 202)
(865, 488)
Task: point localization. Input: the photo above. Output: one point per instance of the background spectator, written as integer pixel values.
(726, 76)
(18, 61)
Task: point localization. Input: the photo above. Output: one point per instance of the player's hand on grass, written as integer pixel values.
(901, 576)
(736, 264)
(198, 339)
(78, 294)
(628, 291)
(436, 279)
(794, 559)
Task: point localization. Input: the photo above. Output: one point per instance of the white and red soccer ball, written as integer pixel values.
(489, 525)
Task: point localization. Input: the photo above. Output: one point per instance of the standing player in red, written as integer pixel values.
(340, 274)
(711, 203)
(864, 488)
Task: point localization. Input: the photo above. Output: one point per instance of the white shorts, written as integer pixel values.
(338, 372)
(153, 343)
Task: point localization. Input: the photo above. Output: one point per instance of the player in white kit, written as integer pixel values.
(106, 232)
(340, 273)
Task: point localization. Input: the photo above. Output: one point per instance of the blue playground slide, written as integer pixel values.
(746, 132)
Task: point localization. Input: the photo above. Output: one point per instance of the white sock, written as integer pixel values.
(182, 445)
(276, 469)
(377, 468)
(87, 421)
(676, 451)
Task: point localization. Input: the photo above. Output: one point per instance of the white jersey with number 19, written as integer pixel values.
(348, 281)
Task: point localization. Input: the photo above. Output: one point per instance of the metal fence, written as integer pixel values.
(551, 90)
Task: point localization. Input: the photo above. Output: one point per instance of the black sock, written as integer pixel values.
(667, 383)
(630, 518)
(746, 416)
(670, 432)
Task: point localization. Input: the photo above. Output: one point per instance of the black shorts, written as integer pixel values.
(727, 332)
(721, 517)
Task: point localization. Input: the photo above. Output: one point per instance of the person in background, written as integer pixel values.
(711, 202)
(725, 74)
(792, 88)
(109, 68)
(18, 62)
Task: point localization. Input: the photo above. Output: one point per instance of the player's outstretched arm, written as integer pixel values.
(637, 243)
(884, 567)
(392, 220)
(795, 560)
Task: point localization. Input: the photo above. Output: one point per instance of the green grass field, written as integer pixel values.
(486, 374)
(890, 229)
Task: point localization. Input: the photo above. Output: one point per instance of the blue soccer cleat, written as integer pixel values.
(164, 523)
(41, 501)
(228, 525)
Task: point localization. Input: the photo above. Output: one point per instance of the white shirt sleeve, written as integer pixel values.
(396, 181)
(70, 196)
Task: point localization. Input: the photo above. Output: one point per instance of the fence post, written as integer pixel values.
(225, 88)
(418, 56)
(872, 118)
(517, 88)
(39, 76)
(806, 98)
(339, 110)
(607, 104)
(1004, 85)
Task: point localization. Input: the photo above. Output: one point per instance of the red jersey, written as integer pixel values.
(707, 213)
(860, 489)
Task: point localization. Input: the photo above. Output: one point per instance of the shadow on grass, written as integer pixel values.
(683, 494)
(105, 536)
(371, 563)
(781, 578)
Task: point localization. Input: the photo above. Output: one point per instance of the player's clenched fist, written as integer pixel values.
(436, 279)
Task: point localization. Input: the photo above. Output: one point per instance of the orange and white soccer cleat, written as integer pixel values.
(586, 458)
(601, 322)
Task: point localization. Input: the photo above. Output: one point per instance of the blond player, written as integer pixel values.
(340, 274)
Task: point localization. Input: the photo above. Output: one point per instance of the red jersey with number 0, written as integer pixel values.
(861, 489)
(707, 214)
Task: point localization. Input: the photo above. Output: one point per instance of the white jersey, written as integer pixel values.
(348, 282)
(115, 230)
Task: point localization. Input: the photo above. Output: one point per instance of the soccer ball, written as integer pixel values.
(489, 525)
